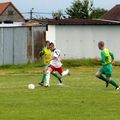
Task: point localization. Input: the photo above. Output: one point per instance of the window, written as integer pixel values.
(8, 22)
(10, 12)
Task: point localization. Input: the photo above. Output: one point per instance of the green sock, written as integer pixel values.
(112, 82)
(43, 77)
(102, 78)
(58, 76)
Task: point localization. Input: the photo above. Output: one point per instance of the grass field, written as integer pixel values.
(82, 97)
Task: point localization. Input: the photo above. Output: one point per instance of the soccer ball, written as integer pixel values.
(31, 86)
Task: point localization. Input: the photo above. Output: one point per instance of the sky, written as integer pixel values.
(49, 6)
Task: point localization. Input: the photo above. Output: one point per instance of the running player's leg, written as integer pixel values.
(101, 77)
(108, 74)
(48, 72)
(65, 72)
(44, 74)
(113, 82)
(58, 76)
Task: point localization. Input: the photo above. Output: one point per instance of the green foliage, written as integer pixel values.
(79, 62)
(98, 12)
(79, 9)
(84, 9)
(83, 62)
(58, 14)
(66, 63)
(21, 66)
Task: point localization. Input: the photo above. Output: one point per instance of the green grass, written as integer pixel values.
(82, 97)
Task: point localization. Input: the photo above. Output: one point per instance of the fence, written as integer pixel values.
(19, 45)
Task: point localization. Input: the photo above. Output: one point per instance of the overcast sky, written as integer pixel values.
(48, 6)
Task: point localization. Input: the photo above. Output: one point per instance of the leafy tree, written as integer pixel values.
(98, 12)
(80, 9)
(58, 14)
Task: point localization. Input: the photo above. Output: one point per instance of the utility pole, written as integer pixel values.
(31, 13)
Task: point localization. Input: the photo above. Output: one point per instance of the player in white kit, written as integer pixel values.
(55, 65)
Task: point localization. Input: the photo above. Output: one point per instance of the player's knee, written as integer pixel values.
(109, 78)
(47, 72)
(97, 75)
(44, 71)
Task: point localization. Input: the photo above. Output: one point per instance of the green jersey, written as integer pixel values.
(106, 57)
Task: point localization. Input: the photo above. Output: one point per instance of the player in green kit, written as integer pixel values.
(107, 58)
(46, 53)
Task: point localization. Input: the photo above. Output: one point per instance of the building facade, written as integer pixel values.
(79, 39)
(9, 14)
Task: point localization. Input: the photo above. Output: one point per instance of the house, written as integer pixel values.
(19, 44)
(9, 14)
(113, 14)
(77, 38)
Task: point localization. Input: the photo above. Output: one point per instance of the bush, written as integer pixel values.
(79, 62)
(66, 63)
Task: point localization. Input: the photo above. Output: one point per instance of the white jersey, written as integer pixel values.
(56, 62)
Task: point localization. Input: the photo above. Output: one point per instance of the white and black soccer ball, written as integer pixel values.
(31, 86)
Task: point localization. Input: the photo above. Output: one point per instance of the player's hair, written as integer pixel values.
(47, 41)
(52, 43)
(101, 43)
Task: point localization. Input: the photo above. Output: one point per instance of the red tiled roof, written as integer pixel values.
(113, 14)
(78, 22)
(3, 6)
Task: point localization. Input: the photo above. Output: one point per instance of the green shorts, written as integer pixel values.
(106, 70)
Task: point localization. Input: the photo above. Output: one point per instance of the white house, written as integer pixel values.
(79, 38)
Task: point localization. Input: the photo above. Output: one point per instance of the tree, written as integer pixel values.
(80, 9)
(98, 12)
(58, 14)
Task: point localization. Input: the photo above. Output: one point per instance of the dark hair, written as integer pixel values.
(47, 41)
(101, 43)
(51, 43)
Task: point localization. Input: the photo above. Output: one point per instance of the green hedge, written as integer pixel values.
(66, 63)
(79, 62)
